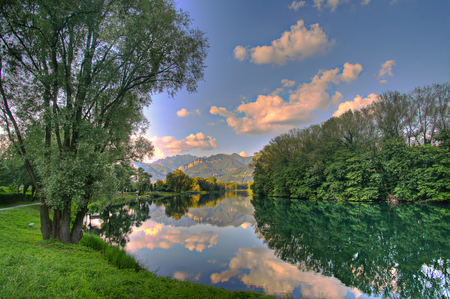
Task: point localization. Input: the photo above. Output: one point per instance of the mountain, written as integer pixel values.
(175, 161)
(158, 172)
(226, 168)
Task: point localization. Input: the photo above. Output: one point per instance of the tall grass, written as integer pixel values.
(113, 254)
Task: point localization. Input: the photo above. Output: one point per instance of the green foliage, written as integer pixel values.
(396, 147)
(8, 198)
(178, 181)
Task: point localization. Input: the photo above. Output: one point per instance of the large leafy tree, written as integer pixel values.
(74, 79)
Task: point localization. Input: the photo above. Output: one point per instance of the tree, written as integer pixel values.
(178, 181)
(143, 180)
(74, 79)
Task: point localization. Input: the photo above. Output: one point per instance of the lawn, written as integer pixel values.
(32, 268)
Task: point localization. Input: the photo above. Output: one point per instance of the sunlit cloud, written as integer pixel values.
(258, 266)
(244, 154)
(386, 70)
(269, 113)
(183, 112)
(356, 104)
(297, 4)
(240, 53)
(296, 44)
(165, 146)
(365, 2)
(155, 235)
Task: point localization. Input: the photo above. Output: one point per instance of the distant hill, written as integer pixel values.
(175, 161)
(227, 168)
(221, 166)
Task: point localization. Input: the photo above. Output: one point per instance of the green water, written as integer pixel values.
(282, 246)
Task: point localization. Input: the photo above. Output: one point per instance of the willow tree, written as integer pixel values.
(74, 79)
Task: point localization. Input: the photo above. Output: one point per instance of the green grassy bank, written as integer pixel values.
(32, 268)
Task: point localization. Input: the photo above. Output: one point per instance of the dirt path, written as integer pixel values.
(32, 204)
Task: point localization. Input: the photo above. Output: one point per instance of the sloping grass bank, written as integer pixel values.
(32, 268)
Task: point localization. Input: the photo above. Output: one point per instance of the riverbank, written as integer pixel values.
(32, 268)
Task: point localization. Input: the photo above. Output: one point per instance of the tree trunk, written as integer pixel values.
(25, 189)
(64, 229)
(77, 229)
(33, 191)
(46, 223)
(56, 223)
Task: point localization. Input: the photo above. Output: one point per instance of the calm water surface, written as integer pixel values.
(284, 246)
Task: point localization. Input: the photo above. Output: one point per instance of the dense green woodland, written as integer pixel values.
(397, 148)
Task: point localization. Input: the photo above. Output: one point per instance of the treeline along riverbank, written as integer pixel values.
(397, 148)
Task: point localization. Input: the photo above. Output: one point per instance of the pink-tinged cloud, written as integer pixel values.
(258, 266)
(167, 145)
(155, 235)
(244, 154)
(356, 104)
(296, 44)
(240, 53)
(386, 69)
(183, 112)
(269, 113)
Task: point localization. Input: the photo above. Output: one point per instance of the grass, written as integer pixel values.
(32, 268)
(113, 254)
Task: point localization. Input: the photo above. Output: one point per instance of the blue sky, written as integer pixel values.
(277, 65)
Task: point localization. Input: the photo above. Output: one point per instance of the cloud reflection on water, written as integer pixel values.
(258, 266)
(156, 235)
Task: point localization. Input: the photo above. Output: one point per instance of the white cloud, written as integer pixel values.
(296, 44)
(297, 4)
(240, 53)
(332, 4)
(183, 112)
(258, 266)
(287, 83)
(356, 104)
(386, 69)
(244, 154)
(383, 81)
(164, 146)
(270, 113)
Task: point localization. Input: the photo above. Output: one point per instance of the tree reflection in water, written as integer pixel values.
(400, 251)
(118, 221)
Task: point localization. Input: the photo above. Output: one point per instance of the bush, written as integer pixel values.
(10, 198)
(113, 254)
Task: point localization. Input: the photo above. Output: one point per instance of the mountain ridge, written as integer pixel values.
(227, 168)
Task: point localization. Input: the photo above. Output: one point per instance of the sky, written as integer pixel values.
(277, 65)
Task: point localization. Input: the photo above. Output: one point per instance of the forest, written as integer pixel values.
(396, 149)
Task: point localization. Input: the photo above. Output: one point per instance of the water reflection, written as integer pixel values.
(307, 249)
(394, 252)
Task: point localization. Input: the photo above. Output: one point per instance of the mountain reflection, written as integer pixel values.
(394, 252)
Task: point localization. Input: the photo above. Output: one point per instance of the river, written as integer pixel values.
(304, 248)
